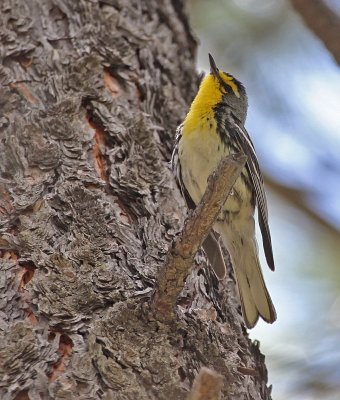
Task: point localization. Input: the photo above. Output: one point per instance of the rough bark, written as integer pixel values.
(91, 93)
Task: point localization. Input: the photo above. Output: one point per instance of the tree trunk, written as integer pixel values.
(91, 94)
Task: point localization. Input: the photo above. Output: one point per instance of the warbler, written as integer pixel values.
(213, 129)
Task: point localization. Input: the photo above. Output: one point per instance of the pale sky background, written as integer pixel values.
(293, 85)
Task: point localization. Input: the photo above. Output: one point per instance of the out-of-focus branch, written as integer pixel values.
(322, 21)
(298, 199)
(207, 386)
(172, 277)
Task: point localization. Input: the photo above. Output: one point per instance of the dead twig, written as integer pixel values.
(172, 277)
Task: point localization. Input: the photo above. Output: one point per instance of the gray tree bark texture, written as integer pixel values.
(91, 94)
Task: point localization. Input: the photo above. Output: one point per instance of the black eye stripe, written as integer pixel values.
(224, 84)
(228, 84)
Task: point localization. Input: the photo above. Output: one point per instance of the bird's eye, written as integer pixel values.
(225, 88)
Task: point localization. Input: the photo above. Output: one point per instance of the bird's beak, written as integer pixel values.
(213, 68)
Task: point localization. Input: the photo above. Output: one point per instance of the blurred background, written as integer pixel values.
(293, 85)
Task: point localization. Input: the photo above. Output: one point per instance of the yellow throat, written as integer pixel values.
(201, 113)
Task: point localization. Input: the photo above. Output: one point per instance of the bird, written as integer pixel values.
(213, 129)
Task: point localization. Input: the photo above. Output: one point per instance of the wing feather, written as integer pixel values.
(240, 136)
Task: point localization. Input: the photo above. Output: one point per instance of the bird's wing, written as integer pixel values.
(214, 253)
(240, 136)
(176, 168)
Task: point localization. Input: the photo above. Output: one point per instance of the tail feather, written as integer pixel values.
(254, 296)
(249, 309)
(258, 289)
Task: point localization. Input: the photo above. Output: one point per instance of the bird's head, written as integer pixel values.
(222, 92)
